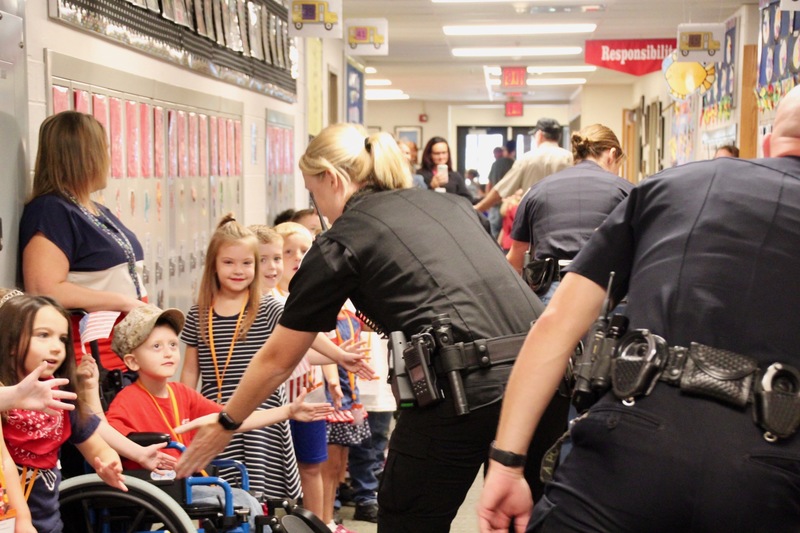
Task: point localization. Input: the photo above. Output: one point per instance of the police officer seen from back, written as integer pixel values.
(559, 214)
(408, 259)
(698, 433)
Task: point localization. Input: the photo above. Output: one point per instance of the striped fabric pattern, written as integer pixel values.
(267, 452)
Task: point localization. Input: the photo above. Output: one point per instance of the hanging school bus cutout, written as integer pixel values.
(313, 13)
(364, 35)
(698, 41)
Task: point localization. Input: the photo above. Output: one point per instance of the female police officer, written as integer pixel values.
(403, 256)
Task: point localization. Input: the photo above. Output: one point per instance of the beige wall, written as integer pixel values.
(603, 104)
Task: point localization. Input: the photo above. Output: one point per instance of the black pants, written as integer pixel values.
(433, 460)
(672, 463)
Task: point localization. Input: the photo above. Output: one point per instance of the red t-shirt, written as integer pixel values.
(133, 410)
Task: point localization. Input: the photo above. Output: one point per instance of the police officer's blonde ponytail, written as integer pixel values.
(347, 151)
(592, 141)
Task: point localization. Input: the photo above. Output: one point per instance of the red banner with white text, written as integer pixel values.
(631, 56)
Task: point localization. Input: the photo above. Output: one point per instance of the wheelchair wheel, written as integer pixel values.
(88, 505)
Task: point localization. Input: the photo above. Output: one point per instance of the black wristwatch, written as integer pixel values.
(505, 458)
(227, 422)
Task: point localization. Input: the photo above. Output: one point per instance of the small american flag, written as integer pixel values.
(96, 325)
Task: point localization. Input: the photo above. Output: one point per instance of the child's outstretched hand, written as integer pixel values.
(197, 423)
(155, 460)
(36, 395)
(308, 412)
(354, 358)
(111, 473)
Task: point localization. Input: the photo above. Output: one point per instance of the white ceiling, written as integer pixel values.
(420, 61)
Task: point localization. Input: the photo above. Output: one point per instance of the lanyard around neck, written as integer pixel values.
(350, 376)
(221, 377)
(175, 415)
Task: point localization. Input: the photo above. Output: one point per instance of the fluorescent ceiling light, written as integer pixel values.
(560, 69)
(546, 81)
(556, 81)
(385, 94)
(518, 29)
(469, 1)
(377, 83)
(518, 51)
(370, 70)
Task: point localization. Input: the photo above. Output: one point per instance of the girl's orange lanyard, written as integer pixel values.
(350, 376)
(5, 512)
(175, 414)
(221, 377)
(27, 485)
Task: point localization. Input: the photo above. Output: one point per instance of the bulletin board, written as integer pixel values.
(779, 53)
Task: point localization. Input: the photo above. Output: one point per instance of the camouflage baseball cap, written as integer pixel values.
(134, 329)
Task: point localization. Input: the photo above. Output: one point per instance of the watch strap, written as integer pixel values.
(510, 459)
(227, 422)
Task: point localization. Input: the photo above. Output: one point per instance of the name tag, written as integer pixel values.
(7, 524)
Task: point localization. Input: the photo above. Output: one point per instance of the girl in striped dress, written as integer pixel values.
(230, 322)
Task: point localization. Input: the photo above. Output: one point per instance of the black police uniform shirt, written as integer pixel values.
(709, 252)
(559, 214)
(403, 257)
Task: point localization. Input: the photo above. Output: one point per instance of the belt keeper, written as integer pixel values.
(675, 363)
(452, 357)
(482, 350)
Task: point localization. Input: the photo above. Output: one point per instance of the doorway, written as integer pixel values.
(476, 146)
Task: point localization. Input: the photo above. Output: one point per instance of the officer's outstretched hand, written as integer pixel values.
(505, 495)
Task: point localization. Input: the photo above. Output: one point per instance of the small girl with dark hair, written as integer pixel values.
(35, 332)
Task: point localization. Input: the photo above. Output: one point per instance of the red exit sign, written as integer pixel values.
(513, 77)
(514, 109)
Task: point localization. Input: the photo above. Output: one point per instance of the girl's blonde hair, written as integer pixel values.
(592, 141)
(353, 156)
(72, 157)
(265, 234)
(287, 229)
(229, 231)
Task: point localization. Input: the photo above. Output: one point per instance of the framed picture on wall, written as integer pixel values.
(410, 133)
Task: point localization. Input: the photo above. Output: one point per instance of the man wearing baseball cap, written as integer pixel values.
(547, 158)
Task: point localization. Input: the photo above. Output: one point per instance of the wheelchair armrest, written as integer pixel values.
(230, 463)
(208, 481)
(148, 439)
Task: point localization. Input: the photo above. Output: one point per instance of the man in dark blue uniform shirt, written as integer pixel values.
(707, 253)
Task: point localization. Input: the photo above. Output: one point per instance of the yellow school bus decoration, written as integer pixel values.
(698, 41)
(357, 35)
(313, 12)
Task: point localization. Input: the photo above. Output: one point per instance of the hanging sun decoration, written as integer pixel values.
(684, 79)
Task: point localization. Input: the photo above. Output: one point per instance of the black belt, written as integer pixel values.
(715, 373)
(478, 354)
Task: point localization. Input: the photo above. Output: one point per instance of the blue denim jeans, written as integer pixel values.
(367, 458)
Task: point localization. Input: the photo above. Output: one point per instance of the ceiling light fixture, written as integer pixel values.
(559, 69)
(512, 52)
(517, 29)
(556, 81)
(377, 83)
(385, 94)
(371, 70)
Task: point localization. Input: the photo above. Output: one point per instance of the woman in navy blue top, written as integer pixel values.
(72, 248)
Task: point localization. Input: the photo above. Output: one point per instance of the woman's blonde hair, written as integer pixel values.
(265, 234)
(228, 232)
(72, 156)
(592, 141)
(355, 157)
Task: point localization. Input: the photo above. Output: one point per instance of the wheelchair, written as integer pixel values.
(156, 503)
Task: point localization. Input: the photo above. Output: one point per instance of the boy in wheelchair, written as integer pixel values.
(147, 341)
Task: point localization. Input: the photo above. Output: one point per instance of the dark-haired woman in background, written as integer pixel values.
(437, 152)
